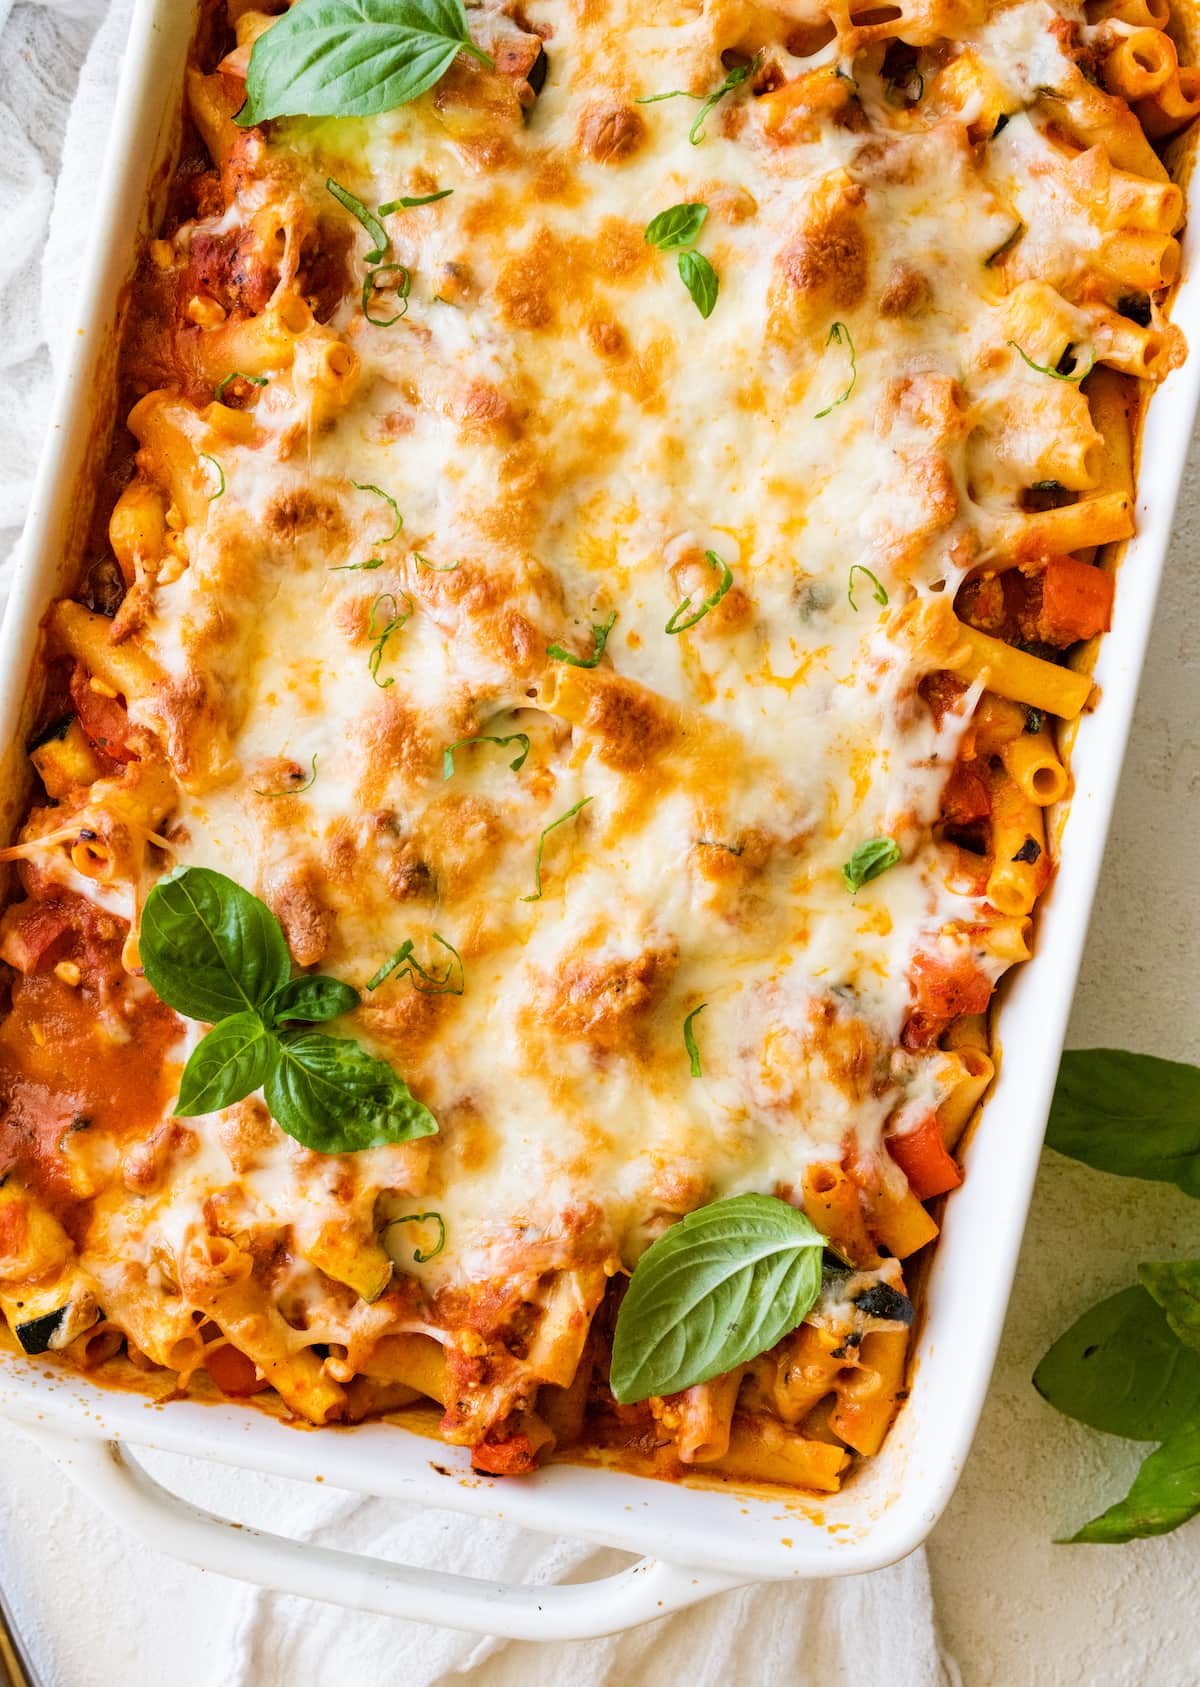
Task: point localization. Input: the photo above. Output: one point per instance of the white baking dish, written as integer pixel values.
(722, 1536)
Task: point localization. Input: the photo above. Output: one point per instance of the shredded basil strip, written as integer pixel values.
(689, 1040)
(515, 766)
(426, 982)
(1005, 247)
(868, 861)
(878, 592)
(237, 375)
(207, 457)
(381, 635)
(420, 1258)
(366, 486)
(367, 218)
(734, 79)
(599, 640)
(1055, 374)
(436, 568)
(355, 567)
(561, 821)
(370, 282)
(408, 204)
(675, 625)
(835, 334)
(291, 790)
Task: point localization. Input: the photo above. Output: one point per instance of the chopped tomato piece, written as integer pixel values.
(34, 934)
(1077, 600)
(942, 691)
(922, 1157)
(942, 990)
(232, 1372)
(966, 798)
(105, 720)
(504, 1458)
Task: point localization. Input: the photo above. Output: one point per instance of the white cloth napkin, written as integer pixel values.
(59, 61)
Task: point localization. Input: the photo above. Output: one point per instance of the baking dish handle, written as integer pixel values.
(114, 1478)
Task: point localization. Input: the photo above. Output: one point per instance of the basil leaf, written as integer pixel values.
(1120, 1369)
(208, 947)
(312, 999)
(717, 1289)
(1132, 1114)
(599, 640)
(335, 1098)
(353, 58)
(1165, 1493)
(225, 1066)
(676, 227)
(700, 279)
(1175, 1285)
(868, 861)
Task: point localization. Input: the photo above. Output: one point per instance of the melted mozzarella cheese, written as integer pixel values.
(571, 434)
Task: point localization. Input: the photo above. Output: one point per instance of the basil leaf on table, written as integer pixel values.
(1165, 1494)
(233, 1059)
(1175, 1285)
(714, 1291)
(334, 1097)
(353, 58)
(1132, 1114)
(313, 999)
(1120, 1369)
(208, 947)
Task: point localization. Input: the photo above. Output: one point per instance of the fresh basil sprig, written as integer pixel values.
(215, 953)
(714, 1291)
(1131, 1364)
(676, 230)
(868, 861)
(600, 632)
(353, 58)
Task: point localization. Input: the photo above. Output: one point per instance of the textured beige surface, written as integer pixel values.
(1014, 1608)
